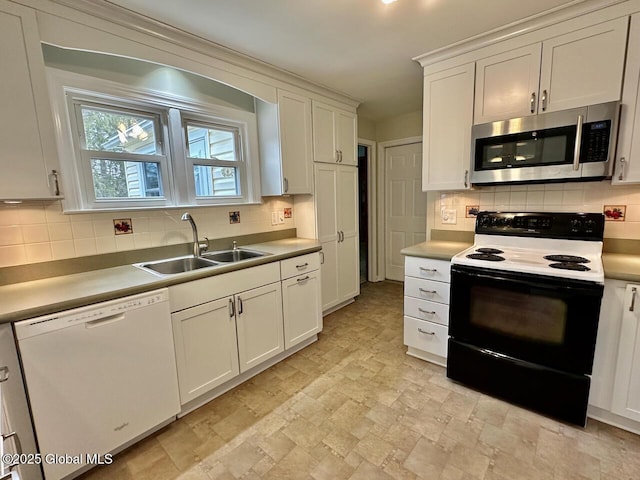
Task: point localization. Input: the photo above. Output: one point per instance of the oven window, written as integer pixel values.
(528, 316)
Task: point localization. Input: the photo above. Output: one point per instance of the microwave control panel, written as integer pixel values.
(595, 141)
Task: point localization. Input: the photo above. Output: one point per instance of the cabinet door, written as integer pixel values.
(447, 121)
(348, 241)
(325, 147)
(206, 347)
(507, 85)
(626, 396)
(584, 67)
(329, 274)
(259, 323)
(346, 138)
(627, 168)
(302, 307)
(296, 142)
(26, 134)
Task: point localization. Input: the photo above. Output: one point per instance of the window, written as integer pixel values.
(121, 154)
(129, 148)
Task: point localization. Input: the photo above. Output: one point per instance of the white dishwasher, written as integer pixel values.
(98, 377)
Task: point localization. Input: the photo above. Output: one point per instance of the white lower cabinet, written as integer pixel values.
(206, 348)
(259, 325)
(301, 298)
(426, 308)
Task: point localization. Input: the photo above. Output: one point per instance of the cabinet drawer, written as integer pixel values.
(427, 268)
(426, 289)
(298, 265)
(426, 310)
(426, 336)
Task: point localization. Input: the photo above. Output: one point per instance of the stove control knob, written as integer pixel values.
(575, 225)
(589, 226)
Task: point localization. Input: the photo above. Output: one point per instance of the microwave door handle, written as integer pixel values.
(576, 151)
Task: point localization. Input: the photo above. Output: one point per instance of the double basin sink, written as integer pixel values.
(189, 263)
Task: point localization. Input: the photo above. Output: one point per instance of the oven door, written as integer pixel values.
(547, 321)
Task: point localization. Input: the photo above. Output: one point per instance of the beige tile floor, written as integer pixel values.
(354, 406)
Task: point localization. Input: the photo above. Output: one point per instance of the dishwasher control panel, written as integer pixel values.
(91, 315)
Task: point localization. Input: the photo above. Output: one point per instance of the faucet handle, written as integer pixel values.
(235, 245)
(204, 246)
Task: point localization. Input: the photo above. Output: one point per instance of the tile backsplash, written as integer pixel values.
(36, 232)
(550, 197)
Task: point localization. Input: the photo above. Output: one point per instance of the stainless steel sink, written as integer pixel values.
(237, 255)
(176, 265)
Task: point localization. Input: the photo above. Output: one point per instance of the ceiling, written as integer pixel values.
(361, 48)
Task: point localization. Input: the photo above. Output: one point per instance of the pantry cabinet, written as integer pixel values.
(626, 390)
(337, 217)
(627, 167)
(29, 158)
(446, 127)
(334, 135)
(286, 145)
(583, 67)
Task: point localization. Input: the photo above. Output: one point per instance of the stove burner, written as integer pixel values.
(566, 259)
(489, 250)
(485, 256)
(570, 266)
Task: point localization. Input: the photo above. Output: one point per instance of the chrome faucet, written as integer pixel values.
(198, 247)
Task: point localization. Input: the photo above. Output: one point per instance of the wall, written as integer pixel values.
(366, 128)
(36, 232)
(401, 126)
(560, 197)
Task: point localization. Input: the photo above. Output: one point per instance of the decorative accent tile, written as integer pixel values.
(472, 211)
(614, 213)
(122, 226)
(288, 212)
(234, 217)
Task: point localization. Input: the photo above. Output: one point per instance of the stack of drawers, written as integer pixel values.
(426, 308)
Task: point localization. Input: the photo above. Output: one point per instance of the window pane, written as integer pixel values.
(114, 131)
(211, 143)
(216, 181)
(122, 179)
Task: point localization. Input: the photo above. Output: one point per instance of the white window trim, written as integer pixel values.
(60, 82)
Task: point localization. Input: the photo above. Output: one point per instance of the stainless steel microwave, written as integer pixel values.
(569, 145)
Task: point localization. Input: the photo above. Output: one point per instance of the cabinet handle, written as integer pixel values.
(303, 279)
(425, 332)
(623, 162)
(634, 292)
(304, 265)
(286, 184)
(430, 270)
(4, 374)
(337, 156)
(16, 441)
(321, 258)
(466, 178)
(576, 150)
(533, 102)
(340, 155)
(431, 292)
(544, 100)
(232, 308)
(426, 311)
(240, 309)
(56, 183)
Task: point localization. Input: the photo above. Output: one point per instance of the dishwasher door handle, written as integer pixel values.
(105, 321)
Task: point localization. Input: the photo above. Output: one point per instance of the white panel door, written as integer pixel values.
(259, 324)
(446, 128)
(405, 205)
(584, 67)
(324, 134)
(507, 84)
(206, 347)
(626, 392)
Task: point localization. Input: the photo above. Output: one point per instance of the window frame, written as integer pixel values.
(179, 184)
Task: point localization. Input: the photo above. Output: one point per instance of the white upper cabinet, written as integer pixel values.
(286, 145)
(507, 84)
(446, 128)
(583, 67)
(627, 167)
(26, 134)
(334, 135)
